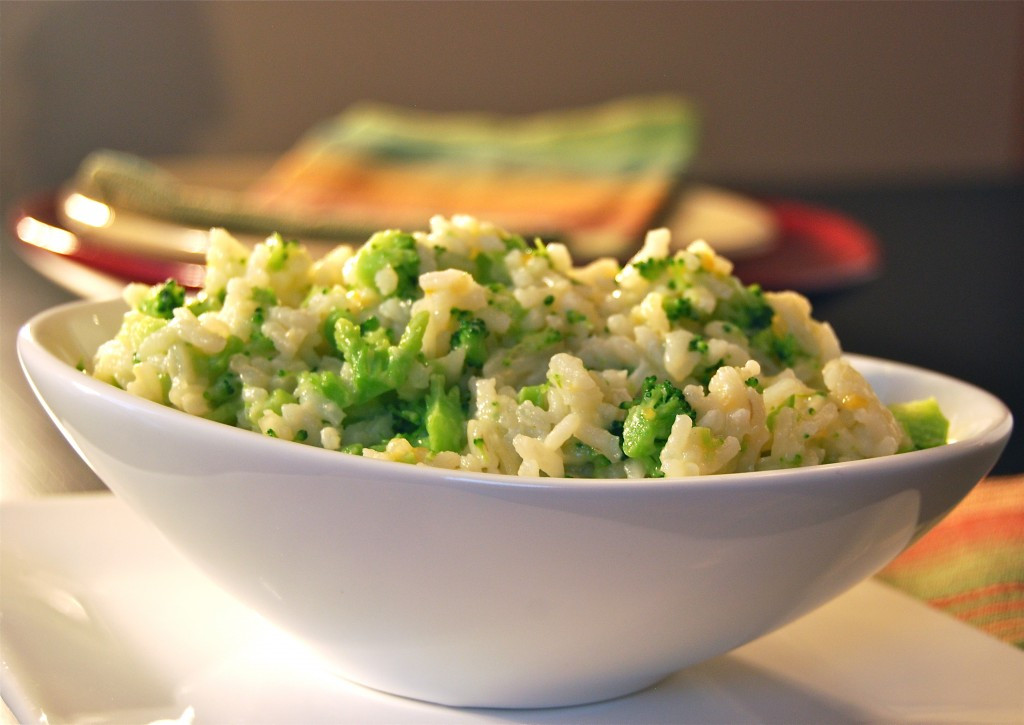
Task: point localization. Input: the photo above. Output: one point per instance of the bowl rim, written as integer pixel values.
(34, 355)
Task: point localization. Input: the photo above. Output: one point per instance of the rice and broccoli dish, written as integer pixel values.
(468, 347)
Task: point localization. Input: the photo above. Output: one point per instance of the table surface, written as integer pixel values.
(948, 298)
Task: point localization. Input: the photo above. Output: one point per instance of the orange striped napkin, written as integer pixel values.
(594, 177)
(971, 564)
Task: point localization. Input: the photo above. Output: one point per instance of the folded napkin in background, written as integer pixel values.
(595, 177)
(971, 564)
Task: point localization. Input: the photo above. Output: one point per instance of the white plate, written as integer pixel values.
(104, 623)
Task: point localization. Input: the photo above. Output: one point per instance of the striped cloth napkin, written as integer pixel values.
(596, 178)
(971, 565)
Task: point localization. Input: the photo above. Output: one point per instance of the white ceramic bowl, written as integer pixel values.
(491, 590)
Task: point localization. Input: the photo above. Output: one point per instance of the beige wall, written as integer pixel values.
(811, 91)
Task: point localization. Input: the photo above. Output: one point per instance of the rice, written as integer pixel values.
(467, 347)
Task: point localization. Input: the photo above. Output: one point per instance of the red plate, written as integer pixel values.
(818, 250)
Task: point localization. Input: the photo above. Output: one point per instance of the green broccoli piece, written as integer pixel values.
(225, 398)
(747, 309)
(679, 308)
(575, 316)
(330, 385)
(536, 394)
(280, 250)
(327, 330)
(393, 249)
(444, 421)
(259, 344)
(137, 327)
(407, 418)
(368, 356)
(436, 421)
(649, 421)
(542, 339)
(783, 350)
(162, 301)
(369, 324)
(471, 334)
(264, 296)
(582, 460)
(514, 241)
(274, 402)
(501, 298)
(923, 421)
(213, 366)
(490, 268)
(769, 420)
(375, 366)
(653, 267)
(207, 303)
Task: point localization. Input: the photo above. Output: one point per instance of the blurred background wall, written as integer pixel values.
(790, 92)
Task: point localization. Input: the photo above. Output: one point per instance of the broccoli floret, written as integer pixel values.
(471, 335)
(330, 385)
(137, 326)
(327, 330)
(747, 309)
(368, 356)
(436, 422)
(649, 421)
(784, 350)
(213, 366)
(225, 398)
(259, 344)
(679, 308)
(501, 298)
(224, 389)
(375, 366)
(162, 300)
(393, 249)
(574, 316)
(264, 297)
(769, 420)
(490, 268)
(407, 418)
(698, 343)
(514, 241)
(280, 250)
(653, 267)
(207, 303)
(444, 420)
(542, 339)
(274, 402)
(583, 460)
(536, 394)
(923, 421)
(369, 324)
